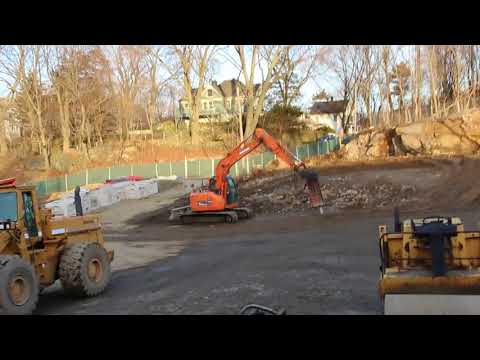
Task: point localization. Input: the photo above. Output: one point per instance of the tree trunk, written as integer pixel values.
(82, 128)
(240, 121)
(64, 122)
(3, 133)
(43, 140)
(251, 123)
(194, 126)
(433, 83)
(418, 84)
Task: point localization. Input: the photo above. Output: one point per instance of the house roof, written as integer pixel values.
(329, 107)
(228, 87)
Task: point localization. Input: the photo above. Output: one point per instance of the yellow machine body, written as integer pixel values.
(38, 237)
(407, 262)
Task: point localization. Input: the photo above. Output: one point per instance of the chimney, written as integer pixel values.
(214, 82)
(331, 98)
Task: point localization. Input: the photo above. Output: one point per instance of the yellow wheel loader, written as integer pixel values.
(429, 266)
(36, 249)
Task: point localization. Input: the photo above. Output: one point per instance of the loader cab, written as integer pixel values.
(8, 210)
(19, 209)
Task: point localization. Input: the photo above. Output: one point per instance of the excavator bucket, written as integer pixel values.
(314, 191)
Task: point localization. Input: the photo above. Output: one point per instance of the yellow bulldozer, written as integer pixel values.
(429, 266)
(36, 249)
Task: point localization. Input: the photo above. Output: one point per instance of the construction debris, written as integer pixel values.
(282, 195)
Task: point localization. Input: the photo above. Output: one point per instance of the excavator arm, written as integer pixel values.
(259, 137)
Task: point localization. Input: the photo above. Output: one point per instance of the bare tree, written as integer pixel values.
(23, 66)
(347, 64)
(269, 62)
(156, 83)
(3, 133)
(53, 58)
(298, 65)
(195, 61)
(130, 68)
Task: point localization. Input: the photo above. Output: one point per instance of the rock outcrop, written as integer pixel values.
(452, 136)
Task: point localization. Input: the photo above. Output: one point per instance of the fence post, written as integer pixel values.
(213, 167)
(248, 166)
(328, 146)
(186, 166)
(236, 168)
(131, 170)
(296, 151)
(156, 169)
(66, 182)
(170, 166)
(261, 157)
(86, 176)
(109, 173)
(318, 147)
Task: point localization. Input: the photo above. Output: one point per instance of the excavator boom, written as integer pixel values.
(259, 137)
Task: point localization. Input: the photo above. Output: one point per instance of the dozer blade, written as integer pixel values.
(431, 304)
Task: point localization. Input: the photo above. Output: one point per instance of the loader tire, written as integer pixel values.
(19, 286)
(84, 269)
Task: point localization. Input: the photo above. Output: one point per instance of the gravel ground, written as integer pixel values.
(304, 262)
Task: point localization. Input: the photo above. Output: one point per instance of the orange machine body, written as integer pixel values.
(222, 192)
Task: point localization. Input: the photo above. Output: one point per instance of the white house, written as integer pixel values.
(219, 102)
(325, 113)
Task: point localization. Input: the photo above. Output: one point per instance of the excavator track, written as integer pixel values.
(244, 213)
(189, 217)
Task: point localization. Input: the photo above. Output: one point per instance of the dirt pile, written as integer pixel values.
(284, 194)
(451, 136)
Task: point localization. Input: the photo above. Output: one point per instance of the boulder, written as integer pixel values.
(372, 144)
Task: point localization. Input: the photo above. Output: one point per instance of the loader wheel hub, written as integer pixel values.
(95, 270)
(19, 290)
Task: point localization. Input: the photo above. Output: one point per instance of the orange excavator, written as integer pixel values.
(220, 199)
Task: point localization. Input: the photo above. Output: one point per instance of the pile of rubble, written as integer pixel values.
(282, 196)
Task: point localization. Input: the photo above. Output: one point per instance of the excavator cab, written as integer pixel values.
(232, 189)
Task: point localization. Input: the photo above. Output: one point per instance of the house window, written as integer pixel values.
(204, 106)
(210, 92)
(211, 105)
